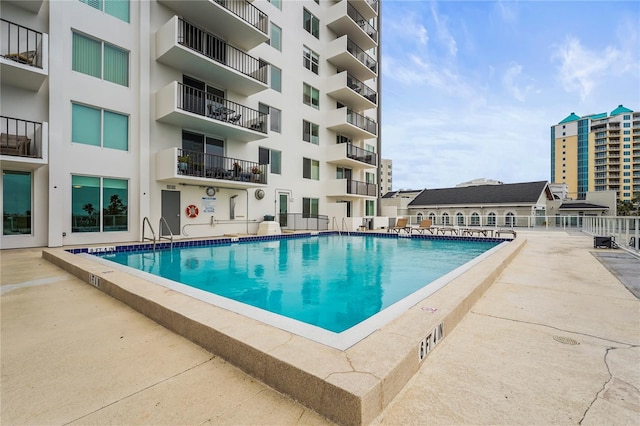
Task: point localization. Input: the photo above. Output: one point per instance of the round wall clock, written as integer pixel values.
(211, 191)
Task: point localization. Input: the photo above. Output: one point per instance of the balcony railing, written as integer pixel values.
(200, 164)
(353, 13)
(247, 12)
(361, 188)
(218, 50)
(20, 138)
(202, 103)
(20, 44)
(362, 56)
(362, 89)
(359, 154)
(361, 121)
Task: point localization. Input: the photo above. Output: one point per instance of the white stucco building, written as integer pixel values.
(273, 106)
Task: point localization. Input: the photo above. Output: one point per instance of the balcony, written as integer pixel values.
(344, 19)
(179, 166)
(351, 156)
(351, 124)
(348, 188)
(352, 92)
(23, 143)
(346, 55)
(367, 8)
(32, 6)
(237, 21)
(24, 56)
(184, 106)
(193, 51)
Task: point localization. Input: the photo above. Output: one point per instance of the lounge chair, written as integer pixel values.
(401, 224)
(425, 225)
(505, 231)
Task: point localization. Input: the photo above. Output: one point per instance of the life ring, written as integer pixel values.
(191, 211)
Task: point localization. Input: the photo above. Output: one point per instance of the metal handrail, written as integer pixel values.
(344, 225)
(146, 221)
(161, 237)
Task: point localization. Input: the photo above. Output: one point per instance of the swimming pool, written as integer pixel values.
(329, 281)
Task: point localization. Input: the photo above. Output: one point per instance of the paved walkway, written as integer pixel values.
(556, 340)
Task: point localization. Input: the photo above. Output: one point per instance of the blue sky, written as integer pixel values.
(470, 89)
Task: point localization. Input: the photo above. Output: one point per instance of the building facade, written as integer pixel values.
(598, 152)
(386, 176)
(189, 119)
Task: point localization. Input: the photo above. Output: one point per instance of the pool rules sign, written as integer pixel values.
(427, 344)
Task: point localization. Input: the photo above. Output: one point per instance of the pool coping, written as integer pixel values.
(349, 386)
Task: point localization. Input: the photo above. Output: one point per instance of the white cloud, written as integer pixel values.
(508, 12)
(408, 28)
(517, 84)
(442, 27)
(581, 68)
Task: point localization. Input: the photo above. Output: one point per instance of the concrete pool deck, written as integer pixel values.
(555, 339)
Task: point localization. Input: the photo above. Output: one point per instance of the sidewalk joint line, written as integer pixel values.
(139, 391)
(557, 328)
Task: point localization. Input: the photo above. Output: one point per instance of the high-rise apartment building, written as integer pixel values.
(201, 116)
(597, 152)
(386, 176)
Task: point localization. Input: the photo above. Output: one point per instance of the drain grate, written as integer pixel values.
(565, 340)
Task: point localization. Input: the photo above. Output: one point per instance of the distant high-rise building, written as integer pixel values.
(386, 176)
(597, 152)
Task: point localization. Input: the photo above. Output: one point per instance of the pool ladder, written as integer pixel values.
(345, 228)
(147, 224)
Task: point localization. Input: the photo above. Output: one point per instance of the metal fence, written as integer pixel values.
(302, 222)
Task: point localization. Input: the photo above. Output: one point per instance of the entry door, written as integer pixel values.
(283, 209)
(170, 212)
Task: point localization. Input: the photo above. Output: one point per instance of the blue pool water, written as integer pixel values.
(331, 281)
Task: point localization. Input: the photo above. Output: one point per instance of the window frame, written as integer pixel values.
(308, 167)
(310, 60)
(313, 23)
(308, 91)
(308, 133)
(310, 207)
(102, 129)
(278, 44)
(77, 63)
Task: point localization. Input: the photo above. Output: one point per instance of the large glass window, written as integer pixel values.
(311, 24)
(276, 37)
(276, 161)
(93, 126)
(115, 8)
(310, 96)
(99, 204)
(370, 208)
(310, 132)
(310, 169)
(309, 207)
(101, 60)
(310, 59)
(16, 196)
(274, 116)
(276, 3)
(276, 78)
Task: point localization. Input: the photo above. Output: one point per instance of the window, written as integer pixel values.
(16, 196)
(276, 161)
(342, 139)
(276, 78)
(263, 155)
(445, 218)
(309, 207)
(491, 219)
(509, 219)
(475, 219)
(99, 59)
(276, 3)
(370, 177)
(311, 24)
(310, 169)
(459, 219)
(98, 127)
(275, 114)
(626, 139)
(626, 117)
(310, 59)
(310, 96)
(627, 132)
(115, 8)
(310, 132)
(370, 208)
(276, 37)
(626, 124)
(432, 217)
(99, 204)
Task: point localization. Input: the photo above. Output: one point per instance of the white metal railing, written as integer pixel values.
(624, 229)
